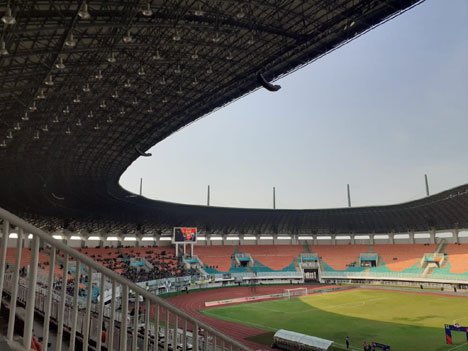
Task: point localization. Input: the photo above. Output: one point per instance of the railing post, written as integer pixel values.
(61, 311)
(156, 327)
(184, 337)
(166, 331)
(3, 251)
(31, 299)
(75, 306)
(48, 304)
(87, 318)
(14, 287)
(195, 339)
(147, 324)
(110, 342)
(136, 316)
(102, 290)
(176, 326)
(123, 319)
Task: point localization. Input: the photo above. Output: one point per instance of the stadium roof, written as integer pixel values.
(87, 87)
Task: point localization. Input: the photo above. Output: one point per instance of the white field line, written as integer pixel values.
(456, 347)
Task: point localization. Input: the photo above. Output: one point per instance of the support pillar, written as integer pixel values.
(432, 236)
(353, 240)
(391, 238)
(333, 239)
(411, 237)
(314, 239)
(371, 239)
(456, 238)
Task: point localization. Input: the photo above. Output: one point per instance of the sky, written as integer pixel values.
(377, 114)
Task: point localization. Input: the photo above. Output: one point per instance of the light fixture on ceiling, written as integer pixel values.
(36, 135)
(195, 55)
(96, 127)
(128, 38)
(55, 120)
(83, 12)
(78, 123)
(195, 81)
(60, 64)
(68, 131)
(25, 117)
(3, 144)
(111, 58)
(199, 12)
(209, 70)
(17, 126)
(3, 49)
(127, 84)
(157, 56)
(49, 81)
(141, 72)
(77, 99)
(103, 104)
(180, 92)
(162, 81)
(177, 70)
(41, 95)
(90, 114)
(8, 18)
(109, 120)
(115, 94)
(147, 10)
(9, 135)
(251, 40)
(71, 41)
(149, 91)
(122, 111)
(229, 56)
(86, 88)
(216, 38)
(45, 128)
(240, 14)
(66, 110)
(150, 109)
(164, 100)
(176, 36)
(33, 107)
(98, 76)
(135, 101)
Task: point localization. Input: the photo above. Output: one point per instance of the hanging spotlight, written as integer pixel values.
(122, 111)
(66, 110)
(36, 135)
(128, 38)
(141, 72)
(229, 56)
(96, 127)
(98, 76)
(111, 58)
(3, 144)
(3, 49)
(147, 10)
(78, 123)
(45, 128)
(162, 81)
(135, 102)
(70, 42)
(195, 55)
(176, 36)
(68, 131)
(115, 94)
(149, 91)
(33, 107)
(86, 88)
(109, 120)
(55, 120)
(25, 117)
(240, 14)
(199, 12)
(150, 109)
(17, 126)
(157, 56)
(9, 135)
(41, 95)
(127, 84)
(251, 40)
(180, 92)
(164, 100)
(83, 12)
(209, 70)
(103, 104)
(77, 100)
(49, 81)
(8, 18)
(195, 81)
(90, 114)
(60, 64)
(177, 70)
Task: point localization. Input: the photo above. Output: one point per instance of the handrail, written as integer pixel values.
(27, 227)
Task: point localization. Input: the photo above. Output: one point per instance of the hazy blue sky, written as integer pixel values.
(377, 113)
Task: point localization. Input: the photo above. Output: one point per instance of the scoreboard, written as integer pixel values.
(184, 235)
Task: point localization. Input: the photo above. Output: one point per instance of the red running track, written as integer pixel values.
(194, 302)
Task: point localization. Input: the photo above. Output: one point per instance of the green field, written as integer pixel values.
(405, 321)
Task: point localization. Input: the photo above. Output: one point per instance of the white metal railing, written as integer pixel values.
(156, 326)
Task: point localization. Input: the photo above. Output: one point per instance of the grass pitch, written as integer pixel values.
(405, 321)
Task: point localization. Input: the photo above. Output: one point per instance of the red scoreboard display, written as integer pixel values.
(184, 235)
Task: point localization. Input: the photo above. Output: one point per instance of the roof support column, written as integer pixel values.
(411, 237)
(456, 238)
(371, 239)
(333, 239)
(352, 237)
(391, 238)
(314, 240)
(432, 236)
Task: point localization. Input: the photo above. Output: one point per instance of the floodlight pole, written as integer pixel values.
(427, 185)
(349, 196)
(141, 186)
(274, 198)
(208, 197)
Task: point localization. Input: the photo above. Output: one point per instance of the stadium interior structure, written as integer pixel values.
(88, 87)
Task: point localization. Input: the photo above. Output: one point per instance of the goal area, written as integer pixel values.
(288, 293)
